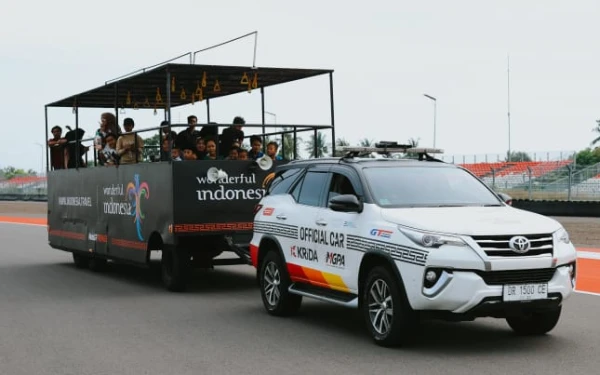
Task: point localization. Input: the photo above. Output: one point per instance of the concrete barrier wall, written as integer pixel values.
(560, 208)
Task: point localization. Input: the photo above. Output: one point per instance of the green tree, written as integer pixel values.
(516, 156)
(12, 172)
(366, 142)
(320, 143)
(596, 130)
(287, 148)
(339, 143)
(413, 142)
(151, 148)
(588, 157)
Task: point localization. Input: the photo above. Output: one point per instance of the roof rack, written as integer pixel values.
(386, 149)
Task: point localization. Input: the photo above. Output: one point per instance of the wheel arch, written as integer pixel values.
(155, 242)
(375, 258)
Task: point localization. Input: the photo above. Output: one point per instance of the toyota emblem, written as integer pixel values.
(519, 244)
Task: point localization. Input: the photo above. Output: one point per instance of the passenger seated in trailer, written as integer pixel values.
(109, 156)
(166, 132)
(233, 153)
(211, 150)
(189, 154)
(231, 135)
(255, 147)
(200, 148)
(57, 148)
(242, 154)
(165, 147)
(130, 145)
(272, 148)
(175, 154)
(187, 138)
(108, 125)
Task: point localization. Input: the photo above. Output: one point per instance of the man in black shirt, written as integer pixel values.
(232, 135)
(187, 138)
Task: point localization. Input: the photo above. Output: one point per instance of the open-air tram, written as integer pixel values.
(191, 211)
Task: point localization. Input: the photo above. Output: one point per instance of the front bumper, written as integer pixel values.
(469, 291)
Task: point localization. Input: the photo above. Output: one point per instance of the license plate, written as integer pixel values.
(525, 292)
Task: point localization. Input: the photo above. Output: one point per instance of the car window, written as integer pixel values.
(340, 184)
(282, 182)
(427, 187)
(310, 188)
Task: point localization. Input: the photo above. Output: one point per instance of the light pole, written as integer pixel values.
(42, 159)
(434, 115)
(274, 116)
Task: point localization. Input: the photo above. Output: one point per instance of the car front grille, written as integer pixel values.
(498, 246)
(541, 275)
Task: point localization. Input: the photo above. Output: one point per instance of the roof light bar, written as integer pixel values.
(391, 150)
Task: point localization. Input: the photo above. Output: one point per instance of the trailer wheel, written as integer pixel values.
(175, 269)
(97, 264)
(80, 261)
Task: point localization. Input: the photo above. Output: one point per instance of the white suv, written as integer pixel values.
(404, 240)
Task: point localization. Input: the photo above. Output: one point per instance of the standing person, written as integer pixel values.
(57, 149)
(187, 138)
(231, 135)
(129, 145)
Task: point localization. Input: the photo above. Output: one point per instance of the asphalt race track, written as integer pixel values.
(56, 319)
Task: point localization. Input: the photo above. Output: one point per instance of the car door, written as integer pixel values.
(341, 264)
(304, 255)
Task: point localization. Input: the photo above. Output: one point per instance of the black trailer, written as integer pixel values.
(125, 213)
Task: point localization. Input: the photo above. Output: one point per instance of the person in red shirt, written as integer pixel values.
(57, 149)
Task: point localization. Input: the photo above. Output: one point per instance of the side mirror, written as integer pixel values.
(345, 203)
(506, 198)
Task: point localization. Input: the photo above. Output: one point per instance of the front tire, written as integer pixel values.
(537, 323)
(175, 269)
(274, 282)
(389, 317)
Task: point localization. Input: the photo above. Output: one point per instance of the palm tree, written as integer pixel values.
(288, 145)
(341, 142)
(366, 142)
(596, 130)
(414, 142)
(320, 143)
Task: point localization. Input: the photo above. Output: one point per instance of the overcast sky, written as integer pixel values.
(386, 55)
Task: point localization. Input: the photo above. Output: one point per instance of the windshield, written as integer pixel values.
(427, 187)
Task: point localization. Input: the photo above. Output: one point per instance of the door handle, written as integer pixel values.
(281, 217)
(321, 222)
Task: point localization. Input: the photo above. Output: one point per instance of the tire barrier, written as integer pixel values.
(23, 197)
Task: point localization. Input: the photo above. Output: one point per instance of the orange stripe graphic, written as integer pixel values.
(316, 277)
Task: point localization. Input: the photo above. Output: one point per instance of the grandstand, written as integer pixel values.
(24, 186)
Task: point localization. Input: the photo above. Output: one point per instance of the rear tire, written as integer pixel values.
(97, 264)
(274, 282)
(81, 261)
(175, 269)
(389, 317)
(538, 323)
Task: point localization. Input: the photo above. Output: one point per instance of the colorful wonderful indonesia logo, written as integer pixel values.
(135, 192)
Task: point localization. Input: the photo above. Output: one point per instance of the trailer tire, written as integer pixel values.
(175, 269)
(97, 264)
(80, 261)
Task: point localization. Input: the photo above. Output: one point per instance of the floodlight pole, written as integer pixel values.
(434, 115)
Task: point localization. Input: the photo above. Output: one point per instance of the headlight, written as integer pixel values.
(562, 236)
(429, 239)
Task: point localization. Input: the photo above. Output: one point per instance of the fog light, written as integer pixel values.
(573, 274)
(431, 276)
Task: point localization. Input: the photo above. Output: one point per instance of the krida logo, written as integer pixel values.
(304, 253)
(135, 192)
